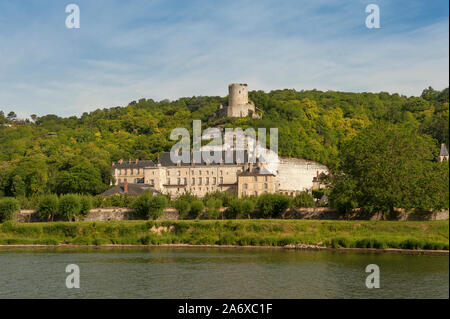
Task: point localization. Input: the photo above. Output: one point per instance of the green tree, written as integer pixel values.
(183, 207)
(149, 206)
(389, 166)
(273, 205)
(69, 206)
(197, 209)
(303, 199)
(8, 207)
(48, 207)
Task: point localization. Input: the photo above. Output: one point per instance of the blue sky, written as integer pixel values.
(127, 50)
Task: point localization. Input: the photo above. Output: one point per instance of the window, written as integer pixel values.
(199, 181)
(193, 180)
(138, 170)
(178, 181)
(178, 173)
(199, 172)
(214, 181)
(221, 180)
(131, 171)
(207, 181)
(255, 178)
(168, 173)
(192, 172)
(221, 172)
(245, 186)
(168, 181)
(184, 181)
(266, 178)
(152, 182)
(266, 186)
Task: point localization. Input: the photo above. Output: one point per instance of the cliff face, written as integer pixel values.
(296, 174)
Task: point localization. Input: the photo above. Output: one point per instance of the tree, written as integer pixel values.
(183, 207)
(303, 199)
(69, 206)
(8, 206)
(149, 206)
(389, 166)
(11, 116)
(48, 207)
(197, 209)
(273, 205)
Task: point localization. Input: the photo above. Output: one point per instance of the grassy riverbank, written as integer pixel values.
(349, 234)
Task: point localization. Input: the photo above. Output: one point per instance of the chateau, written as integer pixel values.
(234, 173)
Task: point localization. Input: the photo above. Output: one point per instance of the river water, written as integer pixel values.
(219, 273)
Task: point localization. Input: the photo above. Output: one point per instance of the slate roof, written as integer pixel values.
(444, 151)
(228, 158)
(133, 189)
(133, 164)
(257, 171)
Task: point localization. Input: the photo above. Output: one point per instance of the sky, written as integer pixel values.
(128, 50)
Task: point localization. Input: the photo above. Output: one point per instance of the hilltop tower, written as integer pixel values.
(443, 154)
(238, 103)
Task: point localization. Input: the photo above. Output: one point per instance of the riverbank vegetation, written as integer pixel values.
(350, 234)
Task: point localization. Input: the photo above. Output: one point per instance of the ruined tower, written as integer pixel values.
(238, 103)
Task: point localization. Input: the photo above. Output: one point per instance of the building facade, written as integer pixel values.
(235, 175)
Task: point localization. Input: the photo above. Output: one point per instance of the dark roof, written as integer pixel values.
(227, 157)
(444, 151)
(257, 171)
(133, 189)
(133, 164)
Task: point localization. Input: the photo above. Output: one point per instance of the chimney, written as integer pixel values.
(250, 166)
(136, 161)
(120, 161)
(129, 160)
(317, 173)
(125, 187)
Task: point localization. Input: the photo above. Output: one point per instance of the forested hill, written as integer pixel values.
(74, 154)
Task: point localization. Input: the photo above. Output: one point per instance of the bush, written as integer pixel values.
(48, 207)
(183, 207)
(69, 206)
(8, 206)
(213, 208)
(149, 206)
(303, 199)
(272, 205)
(197, 208)
(239, 208)
(86, 205)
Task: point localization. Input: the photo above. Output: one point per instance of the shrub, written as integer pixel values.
(183, 207)
(303, 199)
(8, 206)
(272, 205)
(238, 208)
(86, 205)
(197, 208)
(69, 206)
(149, 206)
(48, 207)
(213, 208)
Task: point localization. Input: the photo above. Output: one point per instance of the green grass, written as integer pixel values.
(360, 234)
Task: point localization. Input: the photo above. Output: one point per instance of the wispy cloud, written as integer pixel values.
(182, 48)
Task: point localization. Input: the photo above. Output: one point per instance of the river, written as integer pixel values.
(219, 273)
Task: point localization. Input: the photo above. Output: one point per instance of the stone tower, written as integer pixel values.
(238, 103)
(443, 154)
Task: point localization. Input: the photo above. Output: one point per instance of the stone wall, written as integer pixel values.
(326, 213)
(100, 214)
(319, 213)
(297, 174)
